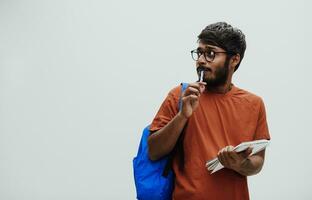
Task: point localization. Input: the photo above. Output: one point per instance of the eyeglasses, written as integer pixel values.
(209, 55)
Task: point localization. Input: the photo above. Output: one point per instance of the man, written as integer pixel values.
(215, 116)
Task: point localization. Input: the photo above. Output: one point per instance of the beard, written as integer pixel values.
(221, 75)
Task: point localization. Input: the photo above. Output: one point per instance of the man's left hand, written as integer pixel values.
(231, 159)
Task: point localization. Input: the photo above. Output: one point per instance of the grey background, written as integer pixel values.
(80, 79)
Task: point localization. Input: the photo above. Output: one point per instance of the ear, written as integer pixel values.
(234, 60)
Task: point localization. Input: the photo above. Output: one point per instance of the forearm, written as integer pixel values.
(163, 141)
(251, 166)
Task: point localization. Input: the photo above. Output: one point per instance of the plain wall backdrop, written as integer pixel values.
(79, 80)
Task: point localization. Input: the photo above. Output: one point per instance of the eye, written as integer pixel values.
(199, 53)
(210, 54)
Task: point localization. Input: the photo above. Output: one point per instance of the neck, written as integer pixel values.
(222, 89)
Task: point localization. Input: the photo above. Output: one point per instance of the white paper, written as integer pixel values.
(214, 165)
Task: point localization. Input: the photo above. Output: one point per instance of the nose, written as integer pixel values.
(201, 60)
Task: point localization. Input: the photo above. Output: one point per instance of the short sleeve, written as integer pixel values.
(167, 110)
(262, 130)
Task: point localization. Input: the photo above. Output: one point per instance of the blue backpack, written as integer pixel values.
(153, 179)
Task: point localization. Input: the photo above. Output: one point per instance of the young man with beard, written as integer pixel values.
(215, 116)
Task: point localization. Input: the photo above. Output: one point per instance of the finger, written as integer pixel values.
(192, 90)
(222, 158)
(227, 154)
(231, 152)
(199, 85)
(231, 148)
(247, 152)
(219, 156)
(202, 88)
(190, 99)
(234, 155)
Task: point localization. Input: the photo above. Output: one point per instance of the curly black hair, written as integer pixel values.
(225, 36)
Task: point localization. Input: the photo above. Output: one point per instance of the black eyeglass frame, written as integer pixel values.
(205, 54)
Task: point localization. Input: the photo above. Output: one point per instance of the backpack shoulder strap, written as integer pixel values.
(183, 88)
(170, 158)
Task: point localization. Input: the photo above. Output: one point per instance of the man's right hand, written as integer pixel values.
(190, 98)
(162, 142)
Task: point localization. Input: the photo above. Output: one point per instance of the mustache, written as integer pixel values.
(202, 68)
(201, 72)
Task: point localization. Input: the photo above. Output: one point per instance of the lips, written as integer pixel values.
(202, 68)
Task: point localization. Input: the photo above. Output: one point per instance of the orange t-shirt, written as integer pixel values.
(219, 120)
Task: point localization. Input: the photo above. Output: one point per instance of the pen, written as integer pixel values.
(201, 76)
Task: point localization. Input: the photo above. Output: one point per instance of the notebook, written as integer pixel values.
(257, 146)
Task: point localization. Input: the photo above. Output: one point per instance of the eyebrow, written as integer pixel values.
(207, 47)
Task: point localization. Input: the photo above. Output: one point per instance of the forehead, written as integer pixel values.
(208, 46)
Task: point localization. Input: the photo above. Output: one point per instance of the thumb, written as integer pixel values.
(202, 88)
(247, 152)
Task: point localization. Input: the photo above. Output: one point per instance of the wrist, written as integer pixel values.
(182, 117)
(243, 166)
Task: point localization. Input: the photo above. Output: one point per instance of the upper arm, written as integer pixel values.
(262, 130)
(167, 110)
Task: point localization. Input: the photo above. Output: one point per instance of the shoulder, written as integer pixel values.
(248, 97)
(175, 92)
